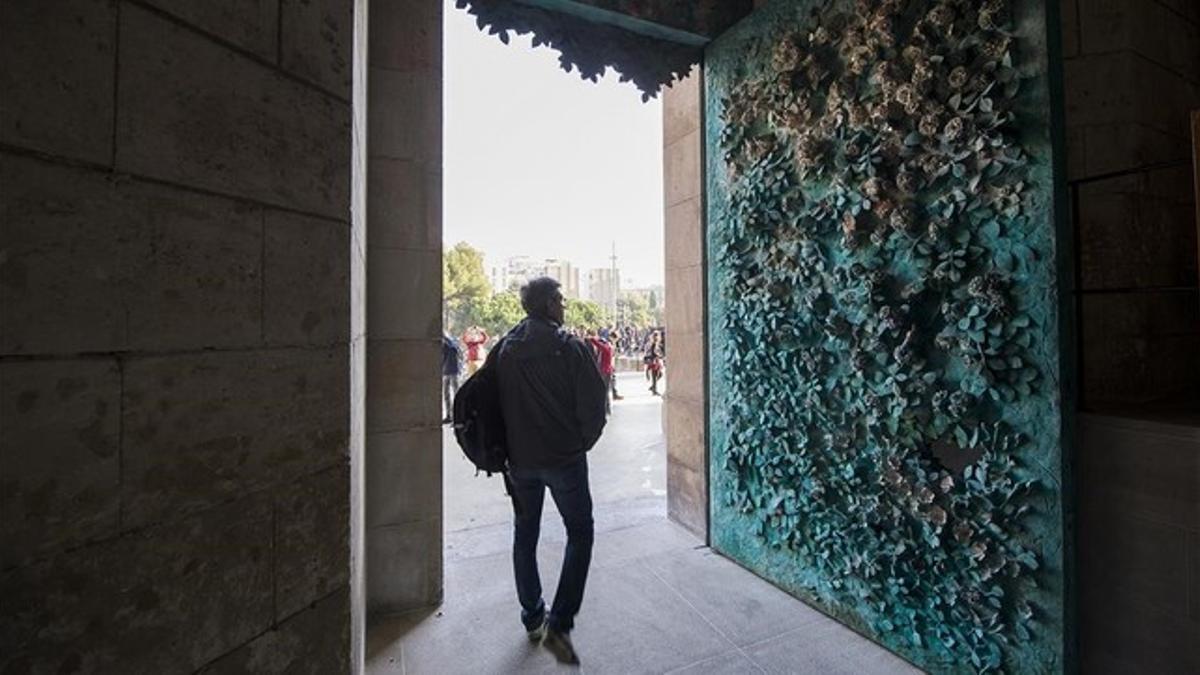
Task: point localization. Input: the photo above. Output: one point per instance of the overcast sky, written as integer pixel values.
(541, 163)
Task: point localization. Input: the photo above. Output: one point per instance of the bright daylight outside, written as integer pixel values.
(549, 175)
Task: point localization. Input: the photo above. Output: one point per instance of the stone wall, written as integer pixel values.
(1139, 545)
(404, 318)
(687, 490)
(1132, 76)
(174, 324)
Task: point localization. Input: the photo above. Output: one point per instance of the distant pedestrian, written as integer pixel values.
(552, 398)
(604, 359)
(451, 355)
(474, 338)
(653, 360)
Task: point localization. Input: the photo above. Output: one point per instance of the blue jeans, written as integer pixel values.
(569, 487)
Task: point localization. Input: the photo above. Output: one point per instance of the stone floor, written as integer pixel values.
(657, 600)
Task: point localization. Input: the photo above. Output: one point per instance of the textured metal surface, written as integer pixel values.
(886, 364)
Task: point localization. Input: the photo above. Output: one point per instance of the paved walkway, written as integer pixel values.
(657, 600)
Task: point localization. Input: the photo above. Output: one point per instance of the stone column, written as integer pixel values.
(404, 288)
(687, 488)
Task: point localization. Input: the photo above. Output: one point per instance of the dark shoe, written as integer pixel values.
(536, 634)
(559, 644)
(446, 420)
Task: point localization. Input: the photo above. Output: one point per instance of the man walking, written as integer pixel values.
(552, 398)
(450, 369)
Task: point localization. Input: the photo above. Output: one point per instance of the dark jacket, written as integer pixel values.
(450, 356)
(551, 394)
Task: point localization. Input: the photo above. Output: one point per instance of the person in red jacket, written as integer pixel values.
(604, 359)
(474, 338)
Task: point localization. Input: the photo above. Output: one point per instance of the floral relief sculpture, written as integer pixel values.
(884, 282)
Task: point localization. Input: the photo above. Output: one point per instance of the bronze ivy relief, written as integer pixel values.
(884, 401)
(589, 47)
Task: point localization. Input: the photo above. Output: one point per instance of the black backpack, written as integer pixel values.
(478, 420)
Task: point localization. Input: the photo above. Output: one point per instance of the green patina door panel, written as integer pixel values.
(887, 273)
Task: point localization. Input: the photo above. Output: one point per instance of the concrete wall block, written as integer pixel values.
(163, 600)
(96, 265)
(312, 539)
(404, 294)
(1134, 240)
(1194, 576)
(1186, 9)
(316, 40)
(685, 365)
(200, 429)
(684, 235)
(404, 567)
(1116, 147)
(687, 499)
(406, 35)
(404, 210)
(681, 170)
(1147, 28)
(684, 307)
(1069, 16)
(1076, 153)
(62, 270)
(194, 112)
(199, 282)
(59, 469)
(404, 115)
(1136, 558)
(252, 25)
(306, 280)
(685, 433)
(56, 86)
(1139, 347)
(405, 389)
(316, 641)
(681, 107)
(403, 477)
(1140, 469)
(1122, 634)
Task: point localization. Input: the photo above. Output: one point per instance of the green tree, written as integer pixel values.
(633, 309)
(584, 314)
(495, 314)
(464, 285)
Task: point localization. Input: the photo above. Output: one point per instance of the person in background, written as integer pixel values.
(552, 399)
(654, 361)
(474, 338)
(451, 356)
(604, 359)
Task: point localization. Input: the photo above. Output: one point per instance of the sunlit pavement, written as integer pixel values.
(657, 599)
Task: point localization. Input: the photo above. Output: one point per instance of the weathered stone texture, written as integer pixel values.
(404, 296)
(249, 24)
(404, 209)
(312, 538)
(414, 35)
(59, 470)
(306, 280)
(1138, 347)
(315, 41)
(95, 264)
(688, 505)
(232, 125)
(684, 306)
(1139, 232)
(1139, 517)
(163, 600)
(67, 108)
(404, 566)
(404, 477)
(681, 173)
(684, 240)
(405, 115)
(403, 391)
(200, 429)
(314, 642)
